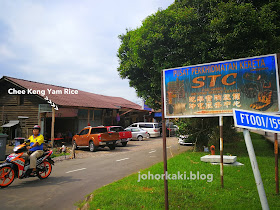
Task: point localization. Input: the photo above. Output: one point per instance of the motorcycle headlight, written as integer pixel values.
(16, 148)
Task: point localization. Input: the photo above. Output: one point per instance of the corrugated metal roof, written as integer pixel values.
(11, 123)
(82, 99)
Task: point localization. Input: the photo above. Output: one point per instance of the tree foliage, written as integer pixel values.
(191, 32)
(205, 131)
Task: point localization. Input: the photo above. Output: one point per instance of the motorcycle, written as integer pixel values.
(16, 166)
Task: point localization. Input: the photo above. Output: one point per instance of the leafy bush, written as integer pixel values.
(206, 131)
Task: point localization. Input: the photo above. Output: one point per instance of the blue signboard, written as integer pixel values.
(214, 89)
(256, 120)
(146, 107)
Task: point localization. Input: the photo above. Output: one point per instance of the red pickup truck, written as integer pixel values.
(124, 136)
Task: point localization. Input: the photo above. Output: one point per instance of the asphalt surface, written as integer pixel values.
(72, 180)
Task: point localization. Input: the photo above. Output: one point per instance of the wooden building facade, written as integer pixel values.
(71, 116)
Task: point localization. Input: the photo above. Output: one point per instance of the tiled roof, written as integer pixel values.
(82, 99)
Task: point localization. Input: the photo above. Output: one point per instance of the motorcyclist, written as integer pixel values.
(35, 147)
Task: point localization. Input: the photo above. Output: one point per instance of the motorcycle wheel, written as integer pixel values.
(43, 174)
(7, 176)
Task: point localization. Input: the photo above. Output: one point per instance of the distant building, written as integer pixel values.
(75, 111)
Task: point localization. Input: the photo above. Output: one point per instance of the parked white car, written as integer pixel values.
(138, 133)
(152, 128)
(183, 140)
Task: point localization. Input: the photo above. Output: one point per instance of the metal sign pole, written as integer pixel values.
(255, 168)
(276, 163)
(221, 151)
(164, 145)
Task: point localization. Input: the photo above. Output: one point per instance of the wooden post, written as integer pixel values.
(73, 154)
(276, 163)
(276, 141)
(39, 121)
(45, 122)
(52, 128)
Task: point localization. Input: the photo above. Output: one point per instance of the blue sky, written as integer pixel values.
(70, 43)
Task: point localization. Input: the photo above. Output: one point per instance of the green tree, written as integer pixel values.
(192, 32)
(166, 39)
(244, 29)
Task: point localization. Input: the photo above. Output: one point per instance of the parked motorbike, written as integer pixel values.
(16, 166)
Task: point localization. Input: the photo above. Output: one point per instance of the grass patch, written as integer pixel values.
(56, 153)
(240, 191)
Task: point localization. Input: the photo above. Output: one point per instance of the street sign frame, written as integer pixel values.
(267, 121)
(183, 77)
(44, 108)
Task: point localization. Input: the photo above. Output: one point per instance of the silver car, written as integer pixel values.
(138, 133)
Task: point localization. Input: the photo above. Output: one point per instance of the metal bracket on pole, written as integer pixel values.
(255, 168)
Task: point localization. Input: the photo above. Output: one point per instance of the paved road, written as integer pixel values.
(71, 180)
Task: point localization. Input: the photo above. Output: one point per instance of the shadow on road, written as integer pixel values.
(33, 182)
(128, 145)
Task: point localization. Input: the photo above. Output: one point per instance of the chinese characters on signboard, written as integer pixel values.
(216, 88)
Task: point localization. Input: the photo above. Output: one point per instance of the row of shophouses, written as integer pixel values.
(22, 105)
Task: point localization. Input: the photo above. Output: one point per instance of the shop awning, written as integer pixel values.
(10, 124)
(157, 114)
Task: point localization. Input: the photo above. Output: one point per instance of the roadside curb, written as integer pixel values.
(86, 206)
(62, 158)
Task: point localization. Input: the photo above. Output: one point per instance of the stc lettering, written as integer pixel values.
(200, 81)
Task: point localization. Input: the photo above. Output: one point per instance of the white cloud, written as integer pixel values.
(71, 43)
(5, 52)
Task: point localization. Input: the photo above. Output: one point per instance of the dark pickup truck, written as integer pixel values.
(124, 136)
